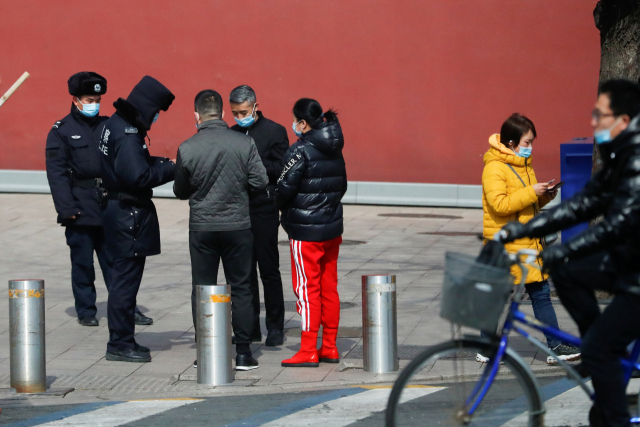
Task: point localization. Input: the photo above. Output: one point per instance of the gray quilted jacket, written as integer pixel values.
(215, 169)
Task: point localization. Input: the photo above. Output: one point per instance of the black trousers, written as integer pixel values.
(264, 226)
(83, 241)
(606, 335)
(207, 248)
(126, 276)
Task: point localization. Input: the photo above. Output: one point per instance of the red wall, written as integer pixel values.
(419, 85)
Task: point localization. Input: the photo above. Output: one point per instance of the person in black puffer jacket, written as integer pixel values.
(308, 193)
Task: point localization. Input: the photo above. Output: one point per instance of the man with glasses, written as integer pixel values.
(606, 256)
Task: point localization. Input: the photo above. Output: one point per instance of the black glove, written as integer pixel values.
(553, 256)
(515, 230)
(69, 220)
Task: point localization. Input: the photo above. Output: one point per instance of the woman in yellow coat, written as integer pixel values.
(511, 192)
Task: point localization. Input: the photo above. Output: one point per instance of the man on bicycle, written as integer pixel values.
(606, 256)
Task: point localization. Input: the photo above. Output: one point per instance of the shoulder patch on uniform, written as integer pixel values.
(131, 130)
(57, 124)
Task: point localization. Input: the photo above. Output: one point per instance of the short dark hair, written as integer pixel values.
(624, 96)
(208, 103)
(242, 94)
(514, 127)
(310, 111)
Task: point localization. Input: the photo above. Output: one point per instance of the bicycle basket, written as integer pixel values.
(474, 294)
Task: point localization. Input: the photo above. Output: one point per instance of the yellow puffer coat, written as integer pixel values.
(505, 199)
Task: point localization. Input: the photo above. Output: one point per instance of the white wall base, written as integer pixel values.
(359, 192)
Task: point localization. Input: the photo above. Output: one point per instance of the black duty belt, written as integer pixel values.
(87, 183)
(131, 197)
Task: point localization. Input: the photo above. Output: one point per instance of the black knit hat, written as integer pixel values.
(87, 83)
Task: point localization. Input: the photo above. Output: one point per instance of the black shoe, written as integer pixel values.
(195, 363)
(275, 337)
(143, 320)
(245, 362)
(566, 352)
(257, 338)
(128, 355)
(89, 321)
(142, 348)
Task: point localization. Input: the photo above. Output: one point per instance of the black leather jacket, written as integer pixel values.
(614, 192)
(311, 185)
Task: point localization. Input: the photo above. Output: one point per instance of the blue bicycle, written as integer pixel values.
(502, 392)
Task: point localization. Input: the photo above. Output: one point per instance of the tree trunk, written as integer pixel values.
(619, 25)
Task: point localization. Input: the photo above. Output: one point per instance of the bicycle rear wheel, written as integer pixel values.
(512, 398)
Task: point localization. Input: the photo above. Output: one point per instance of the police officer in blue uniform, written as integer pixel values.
(129, 173)
(73, 171)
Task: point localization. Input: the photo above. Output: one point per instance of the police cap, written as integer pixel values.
(87, 83)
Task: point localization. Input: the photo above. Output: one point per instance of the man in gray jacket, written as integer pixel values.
(216, 169)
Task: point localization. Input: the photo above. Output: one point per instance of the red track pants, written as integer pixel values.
(314, 267)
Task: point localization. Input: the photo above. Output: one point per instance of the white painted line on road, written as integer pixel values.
(122, 413)
(347, 410)
(570, 409)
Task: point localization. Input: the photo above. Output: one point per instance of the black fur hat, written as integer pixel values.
(87, 83)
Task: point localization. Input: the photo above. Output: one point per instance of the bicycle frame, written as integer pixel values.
(514, 316)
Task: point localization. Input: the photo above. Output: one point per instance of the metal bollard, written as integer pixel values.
(27, 345)
(379, 323)
(213, 323)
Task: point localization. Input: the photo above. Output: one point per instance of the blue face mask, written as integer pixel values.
(298, 134)
(604, 136)
(89, 110)
(156, 117)
(524, 152)
(247, 121)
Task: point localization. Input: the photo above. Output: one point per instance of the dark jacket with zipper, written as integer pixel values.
(614, 192)
(73, 163)
(216, 169)
(272, 142)
(129, 172)
(311, 185)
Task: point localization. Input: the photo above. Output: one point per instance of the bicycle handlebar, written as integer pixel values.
(531, 254)
(500, 236)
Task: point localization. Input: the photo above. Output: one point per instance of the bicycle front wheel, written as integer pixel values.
(445, 386)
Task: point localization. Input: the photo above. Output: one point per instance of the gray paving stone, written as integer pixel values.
(34, 246)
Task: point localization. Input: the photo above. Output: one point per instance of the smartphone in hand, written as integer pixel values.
(555, 187)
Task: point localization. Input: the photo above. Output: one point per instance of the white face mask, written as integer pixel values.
(298, 133)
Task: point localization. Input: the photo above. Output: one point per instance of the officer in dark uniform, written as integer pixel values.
(129, 173)
(73, 171)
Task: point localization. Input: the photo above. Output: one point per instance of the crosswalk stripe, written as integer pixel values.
(121, 413)
(346, 410)
(568, 409)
